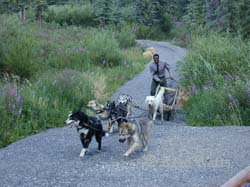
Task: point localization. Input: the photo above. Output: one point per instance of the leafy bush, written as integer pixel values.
(125, 36)
(127, 14)
(103, 48)
(69, 86)
(16, 49)
(166, 23)
(208, 108)
(216, 66)
(71, 15)
(28, 108)
(211, 56)
(143, 32)
(66, 70)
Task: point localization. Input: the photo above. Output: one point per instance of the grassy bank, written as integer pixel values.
(47, 73)
(216, 71)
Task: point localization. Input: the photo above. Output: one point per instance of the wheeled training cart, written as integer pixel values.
(169, 101)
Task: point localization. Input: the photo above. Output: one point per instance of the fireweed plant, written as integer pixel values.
(215, 73)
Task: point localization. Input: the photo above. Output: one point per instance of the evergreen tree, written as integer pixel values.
(244, 20)
(181, 8)
(196, 12)
(146, 12)
(16, 6)
(213, 15)
(230, 15)
(172, 8)
(105, 11)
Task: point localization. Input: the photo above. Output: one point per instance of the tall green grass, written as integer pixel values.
(217, 69)
(65, 71)
(81, 15)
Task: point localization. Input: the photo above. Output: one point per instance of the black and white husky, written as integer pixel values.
(87, 127)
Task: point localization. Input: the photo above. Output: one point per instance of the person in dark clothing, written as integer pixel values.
(158, 70)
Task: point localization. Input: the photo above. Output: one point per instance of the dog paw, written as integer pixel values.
(99, 151)
(107, 134)
(83, 153)
(111, 130)
(126, 154)
(145, 149)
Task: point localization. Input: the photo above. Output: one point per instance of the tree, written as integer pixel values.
(105, 11)
(230, 15)
(196, 12)
(16, 6)
(146, 12)
(244, 20)
(213, 15)
(40, 6)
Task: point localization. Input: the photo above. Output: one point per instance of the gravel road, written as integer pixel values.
(178, 155)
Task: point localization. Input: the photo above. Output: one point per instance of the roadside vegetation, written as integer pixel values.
(216, 69)
(55, 56)
(47, 73)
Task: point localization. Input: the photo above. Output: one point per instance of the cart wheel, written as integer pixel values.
(167, 115)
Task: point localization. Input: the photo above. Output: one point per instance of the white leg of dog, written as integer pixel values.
(111, 130)
(145, 148)
(129, 114)
(83, 152)
(110, 127)
(161, 110)
(135, 144)
(154, 115)
(131, 149)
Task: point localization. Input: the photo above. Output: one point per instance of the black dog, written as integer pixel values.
(117, 113)
(87, 127)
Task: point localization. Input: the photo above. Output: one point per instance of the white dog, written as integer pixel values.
(155, 103)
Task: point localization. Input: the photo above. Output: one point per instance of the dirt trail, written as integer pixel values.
(178, 155)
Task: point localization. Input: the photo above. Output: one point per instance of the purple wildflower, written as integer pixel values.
(13, 106)
(13, 91)
(230, 106)
(178, 24)
(230, 96)
(18, 100)
(193, 90)
(206, 88)
(227, 78)
(237, 78)
(19, 112)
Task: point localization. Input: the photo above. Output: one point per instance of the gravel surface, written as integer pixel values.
(178, 155)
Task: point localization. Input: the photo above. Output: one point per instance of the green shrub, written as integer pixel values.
(127, 14)
(69, 86)
(16, 49)
(28, 108)
(103, 48)
(143, 32)
(66, 64)
(19, 58)
(228, 105)
(166, 24)
(208, 108)
(217, 63)
(125, 36)
(82, 15)
(11, 106)
(212, 56)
